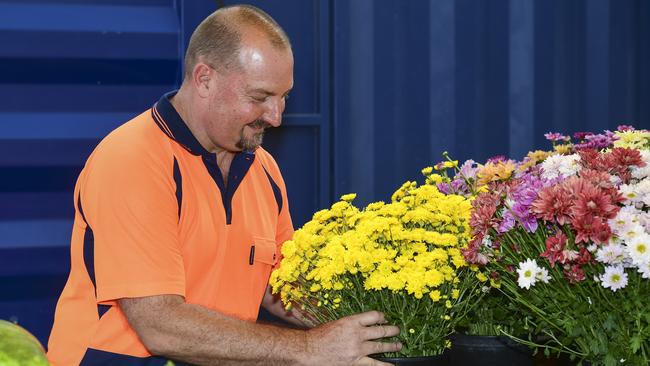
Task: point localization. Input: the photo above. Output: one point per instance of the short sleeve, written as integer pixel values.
(129, 203)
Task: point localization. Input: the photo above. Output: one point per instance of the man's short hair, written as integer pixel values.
(217, 39)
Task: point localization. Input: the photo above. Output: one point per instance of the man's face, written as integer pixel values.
(244, 101)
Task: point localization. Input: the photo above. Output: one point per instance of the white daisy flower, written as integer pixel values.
(487, 241)
(527, 273)
(630, 193)
(644, 269)
(626, 217)
(560, 165)
(614, 278)
(630, 232)
(640, 173)
(644, 220)
(613, 253)
(542, 275)
(639, 249)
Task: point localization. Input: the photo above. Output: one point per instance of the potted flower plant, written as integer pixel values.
(567, 235)
(479, 338)
(402, 258)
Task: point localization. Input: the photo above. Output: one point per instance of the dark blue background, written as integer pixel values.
(382, 88)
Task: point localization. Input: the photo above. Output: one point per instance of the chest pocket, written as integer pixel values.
(264, 251)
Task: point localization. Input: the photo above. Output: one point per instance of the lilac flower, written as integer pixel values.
(522, 197)
(497, 159)
(468, 169)
(444, 188)
(458, 185)
(624, 128)
(555, 136)
(507, 222)
(599, 141)
(581, 135)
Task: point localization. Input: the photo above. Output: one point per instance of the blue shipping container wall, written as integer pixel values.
(382, 88)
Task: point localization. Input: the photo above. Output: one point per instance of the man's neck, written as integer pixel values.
(182, 105)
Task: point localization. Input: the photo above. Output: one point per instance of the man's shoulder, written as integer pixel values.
(135, 138)
(138, 142)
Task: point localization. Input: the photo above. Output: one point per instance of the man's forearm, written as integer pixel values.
(197, 335)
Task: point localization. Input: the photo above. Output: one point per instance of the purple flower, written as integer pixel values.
(468, 169)
(522, 197)
(624, 128)
(600, 141)
(555, 136)
(581, 135)
(458, 185)
(507, 222)
(529, 223)
(444, 188)
(497, 159)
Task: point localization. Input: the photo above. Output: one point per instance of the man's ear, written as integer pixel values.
(201, 77)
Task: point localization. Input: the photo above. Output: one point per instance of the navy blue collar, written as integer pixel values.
(171, 123)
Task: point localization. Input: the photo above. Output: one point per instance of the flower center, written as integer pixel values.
(616, 278)
(528, 273)
(641, 248)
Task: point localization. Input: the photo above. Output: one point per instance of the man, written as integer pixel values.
(179, 218)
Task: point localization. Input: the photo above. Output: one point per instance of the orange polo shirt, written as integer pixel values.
(153, 216)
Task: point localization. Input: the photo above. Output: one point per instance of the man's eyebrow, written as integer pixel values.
(266, 92)
(261, 91)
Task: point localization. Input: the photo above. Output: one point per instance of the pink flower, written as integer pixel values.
(574, 273)
(627, 157)
(554, 248)
(553, 204)
(591, 228)
(555, 136)
(472, 253)
(592, 201)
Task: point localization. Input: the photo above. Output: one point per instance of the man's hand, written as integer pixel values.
(349, 341)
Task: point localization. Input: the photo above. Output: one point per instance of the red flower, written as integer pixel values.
(598, 178)
(574, 273)
(584, 257)
(592, 159)
(472, 253)
(567, 256)
(592, 201)
(554, 247)
(591, 228)
(483, 216)
(482, 219)
(553, 204)
(627, 157)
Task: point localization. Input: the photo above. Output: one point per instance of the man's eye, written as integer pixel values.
(259, 99)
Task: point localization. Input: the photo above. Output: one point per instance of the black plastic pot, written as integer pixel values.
(488, 351)
(442, 360)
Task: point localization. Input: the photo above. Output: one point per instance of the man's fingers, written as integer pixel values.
(373, 347)
(370, 318)
(367, 361)
(381, 331)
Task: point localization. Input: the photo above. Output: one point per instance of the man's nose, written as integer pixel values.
(273, 115)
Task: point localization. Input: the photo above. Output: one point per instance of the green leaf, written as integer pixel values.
(636, 343)
(610, 360)
(609, 323)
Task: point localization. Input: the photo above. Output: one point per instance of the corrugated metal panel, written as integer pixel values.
(477, 78)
